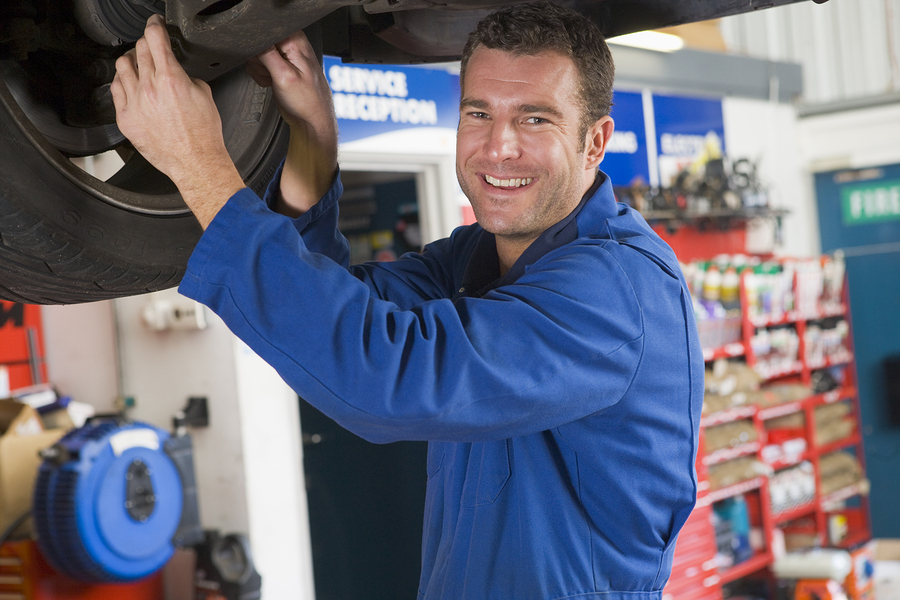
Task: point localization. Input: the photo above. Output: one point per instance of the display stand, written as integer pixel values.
(787, 443)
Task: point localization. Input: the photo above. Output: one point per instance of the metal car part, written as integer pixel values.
(115, 22)
(211, 37)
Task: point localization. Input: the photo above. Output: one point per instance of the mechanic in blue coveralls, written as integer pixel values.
(548, 354)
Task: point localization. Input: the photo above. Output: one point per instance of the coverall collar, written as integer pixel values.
(482, 272)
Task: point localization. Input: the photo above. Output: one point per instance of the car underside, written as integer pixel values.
(68, 237)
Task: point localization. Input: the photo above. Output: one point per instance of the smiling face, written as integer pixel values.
(520, 157)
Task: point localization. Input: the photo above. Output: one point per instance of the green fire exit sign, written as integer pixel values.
(873, 202)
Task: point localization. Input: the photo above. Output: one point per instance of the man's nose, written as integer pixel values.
(502, 142)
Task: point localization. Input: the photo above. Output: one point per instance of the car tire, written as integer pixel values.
(67, 237)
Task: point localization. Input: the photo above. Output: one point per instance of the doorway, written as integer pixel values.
(366, 501)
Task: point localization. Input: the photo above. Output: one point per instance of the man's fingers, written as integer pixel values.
(159, 44)
(143, 58)
(119, 96)
(258, 72)
(126, 70)
(297, 50)
(278, 68)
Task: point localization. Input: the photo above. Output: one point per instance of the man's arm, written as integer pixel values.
(173, 122)
(295, 75)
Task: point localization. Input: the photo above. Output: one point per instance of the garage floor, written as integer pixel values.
(887, 580)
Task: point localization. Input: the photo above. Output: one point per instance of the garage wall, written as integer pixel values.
(860, 137)
(767, 133)
(790, 147)
(847, 49)
(248, 462)
(80, 350)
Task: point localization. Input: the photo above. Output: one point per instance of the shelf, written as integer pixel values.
(854, 539)
(835, 310)
(720, 456)
(790, 461)
(785, 449)
(844, 359)
(769, 372)
(731, 491)
(780, 410)
(794, 513)
(726, 351)
(682, 216)
(729, 415)
(759, 561)
(773, 320)
(796, 316)
(836, 497)
(847, 442)
(844, 393)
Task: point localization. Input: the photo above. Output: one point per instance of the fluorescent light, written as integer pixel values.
(650, 40)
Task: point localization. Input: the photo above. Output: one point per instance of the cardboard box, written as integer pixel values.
(22, 436)
(887, 550)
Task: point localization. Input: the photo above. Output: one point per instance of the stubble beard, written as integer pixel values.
(552, 206)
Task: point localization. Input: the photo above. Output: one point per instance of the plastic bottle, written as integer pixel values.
(697, 281)
(731, 282)
(712, 283)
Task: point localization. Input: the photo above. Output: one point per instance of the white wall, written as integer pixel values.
(80, 350)
(161, 370)
(249, 460)
(767, 133)
(851, 139)
(790, 149)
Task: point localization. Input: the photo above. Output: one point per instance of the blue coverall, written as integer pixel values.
(561, 401)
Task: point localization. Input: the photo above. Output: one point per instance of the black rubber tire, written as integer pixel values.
(67, 237)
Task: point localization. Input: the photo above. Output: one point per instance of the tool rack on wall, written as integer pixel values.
(832, 513)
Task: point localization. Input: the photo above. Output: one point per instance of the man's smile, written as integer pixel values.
(508, 183)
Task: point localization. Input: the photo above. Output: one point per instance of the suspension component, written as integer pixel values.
(116, 22)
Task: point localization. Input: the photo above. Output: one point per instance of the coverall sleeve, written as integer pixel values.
(412, 278)
(550, 349)
(319, 225)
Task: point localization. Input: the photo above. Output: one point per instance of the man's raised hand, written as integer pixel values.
(293, 72)
(172, 121)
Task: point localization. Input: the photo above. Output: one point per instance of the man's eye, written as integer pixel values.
(478, 115)
(536, 120)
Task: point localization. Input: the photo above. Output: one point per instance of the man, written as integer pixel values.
(548, 354)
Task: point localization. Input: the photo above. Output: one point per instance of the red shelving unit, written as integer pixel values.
(698, 571)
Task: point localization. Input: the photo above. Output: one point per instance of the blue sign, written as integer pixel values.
(626, 159)
(685, 129)
(370, 100)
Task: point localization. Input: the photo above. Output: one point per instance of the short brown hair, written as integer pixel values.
(537, 27)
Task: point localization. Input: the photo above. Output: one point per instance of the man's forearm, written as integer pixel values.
(308, 172)
(173, 122)
(206, 194)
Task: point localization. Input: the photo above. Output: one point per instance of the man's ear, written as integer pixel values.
(596, 139)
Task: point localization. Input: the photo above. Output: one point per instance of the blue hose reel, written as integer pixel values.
(108, 501)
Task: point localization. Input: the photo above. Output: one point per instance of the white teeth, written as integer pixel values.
(506, 183)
